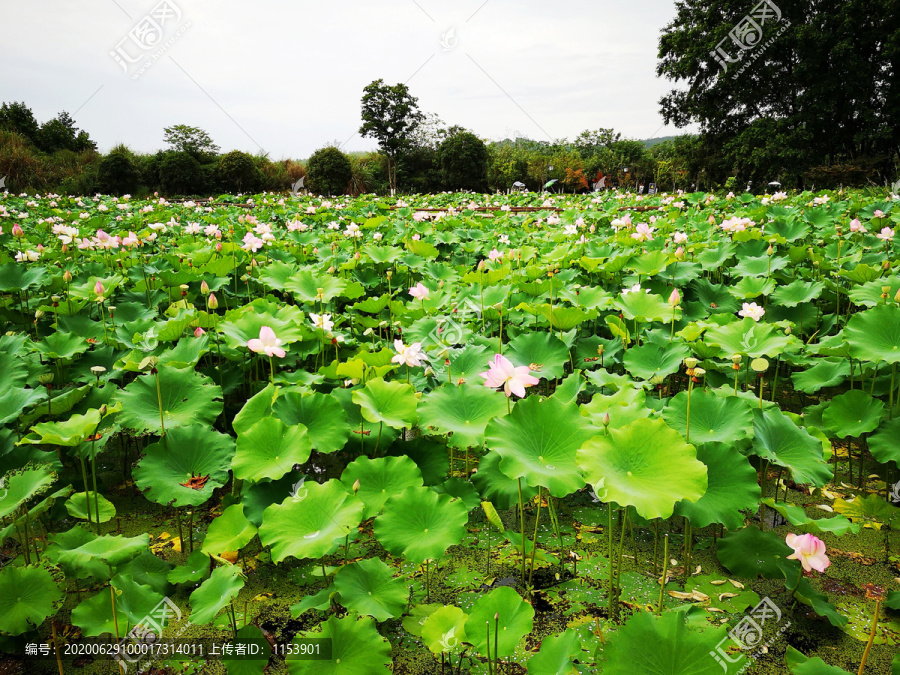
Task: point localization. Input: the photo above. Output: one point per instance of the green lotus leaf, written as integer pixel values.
(420, 524)
(713, 418)
(805, 593)
(185, 466)
(750, 553)
(538, 442)
(194, 570)
(431, 458)
(187, 397)
(495, 486)
(324, 418)
(445, 629)
(802, 665)
(257, 407)
(853, 413)
(717, 598)
(15, 277)
(651, 360)
(516, 618)
(731, 488)
(243, 323)
(14, 400)
(365, 435)
(215, 593)
(305, 285)
(547, 352)
(418, 614)
(777, 439)
(462, 411)
(874, 335)
(461, 489)
(872, 511)
(883, 443)
(148, 570)
(391, 403)
(231, 531)
(797, 292)
(557, 654)
(369, 587)
(269, 449)
(68, 433)
(77, 506)
(750, 338)
(311, 524)
(643, 307)
(60, 345)
(276, 274)
(380, 479)
(795, 515)
(646, 464)
(113, 550)
(134, 602)
(752, 287)
(28, 595)
(624, 407)
(827, 372)
(241, 663)
(21, 485)
(356, 649)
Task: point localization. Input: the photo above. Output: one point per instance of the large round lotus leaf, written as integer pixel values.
(623, 407)
(651, 360)
(556, 654)
(431, 458)
(828, 372)
(243, 324)
(884, 444)
(461, 411)
(134, 603)
(750, 553)
(874, 335)
(60, 345)
(465, 363)
(323, 416)
(420, 524)
(14, 400)
(664, 645)
(185, 466)
(356, 649)
(380, 479)
(77, 506)
(363, 433)
(797, 292)
(194, 570)
(496, 487)
(188, 399)
(461, 489)
(23, 484)
(312, 286)
(547, 352)
(215, 593)
(148, 570)
(28, 595)
(646, 465)
(538, 442)
(645, 307)
(853, 414)
(269, 449)
(369, 587)
(312, 524)
(713, 418)
(445, 629)
(113, 550)
(229, 532)
(392, 403)
(750, 338)
(731, 488)
(257, 407)
(751, 287)
(777, 439)
(516, 618)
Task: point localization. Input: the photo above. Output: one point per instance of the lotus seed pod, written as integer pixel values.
(45, 378)
(690, 362)
(759, 365)
(148, 363)
(98, 370)
(39, 314)
(737, 358)
(699, 372)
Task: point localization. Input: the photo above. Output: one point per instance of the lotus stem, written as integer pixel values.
(180, 533)
(380, 427)
(56, 647)
(662, 586)
(688, 545)
(891, 395)
(487, 627)
(796, 586)
(27, 526)
(865, 656)
(112, 595)
(87, 497)
(687, 436)
(522, 527)
(537, 519)
(609, 556)
(191, 530)
(496, 640)
(162, 421)
(94, 477)
(623, 524)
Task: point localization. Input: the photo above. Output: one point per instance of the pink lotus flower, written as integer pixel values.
(419, 291)
(266, 344)
(856, 226)
(674, 297)
(679, 237)
(494, 254)
(408, 356)
(809, 550)
(17, 231)
(198, 331)
(643, 232)
(512, 378)
(98, 288)
(879, 213)
(886, 234)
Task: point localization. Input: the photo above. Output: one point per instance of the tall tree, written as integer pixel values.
(816, 83)
(391, 116)
(191, 140)
(61, 133)
(17, 117)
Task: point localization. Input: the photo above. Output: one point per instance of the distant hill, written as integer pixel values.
(650, 142)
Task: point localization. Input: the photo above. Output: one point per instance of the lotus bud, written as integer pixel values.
(679, 253)
(103, 410)
(98, 289)
(674, 297)
(356, 486)
(440, 284)
(770, 250)
(606, 420)
(17, 231)
(45, 378)
(886, 264)
(198, 331)
(67, 276)
(253, 263)
(218, 247)
(331, 270)
(600, 350)
(38, 315)
(759, 365)
(204, 288)
(389, 274)
(897, 296)
(690, 362)
(787, 331)
(213, 301)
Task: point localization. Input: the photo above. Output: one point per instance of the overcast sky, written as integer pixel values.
(287, 77)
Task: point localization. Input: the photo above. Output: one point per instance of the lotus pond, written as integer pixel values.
(457, 434)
